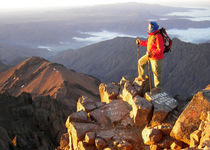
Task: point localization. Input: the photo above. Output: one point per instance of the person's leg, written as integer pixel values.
(142, 62)
(156, 69)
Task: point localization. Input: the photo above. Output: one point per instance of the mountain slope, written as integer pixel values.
(185, 70)
(12, 55)
(40, 77)
(3, 67)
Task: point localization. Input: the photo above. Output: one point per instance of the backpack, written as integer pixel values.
(167, 40)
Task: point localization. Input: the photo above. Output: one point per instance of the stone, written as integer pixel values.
(64, 142)
(108, 92)
(154, 147)
(176, 145)
(106, 134)
(90, 138)
(112, 113)
(205, 136)
(87, 104)
(78, 131)
(141, 86)
(80, 116)
(85, 146)
(128, 92)
(163, 104)
(151, 136)
(124, 145)
(125, 79)
(141, 111)
(100, 143)
(195, 138)
(165, 128)
(189, 120)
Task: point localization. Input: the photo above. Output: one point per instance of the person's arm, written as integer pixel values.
(141, 43)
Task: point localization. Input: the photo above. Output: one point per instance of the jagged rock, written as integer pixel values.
(85, 146)
(141, 111)
(87, 104)
(100, 143)
(114, 112)
(128, 92)
(151, 136)
(90, 138)
(108, 92)
(124, 145)
(64, 142)
(189, 120)
(165, 128)
(106, 134)
(195, 138)
(141, 86)
(80, 116)
(176, 145)
(163, 104)
(4, 139)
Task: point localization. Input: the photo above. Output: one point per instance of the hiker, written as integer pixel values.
(154, 54)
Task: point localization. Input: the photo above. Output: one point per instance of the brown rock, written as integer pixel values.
(151, 136)
(90, 138)
(154, 147)
(64, 142)
(124, 145)
(141, 86)
(176, 145)
(80, 116)
(141, 111)
(108, 92)
(189, 120)
(112, 113)
(87, 104)
(165, 128)
(106, 134)
(195, 138)
(205, 136)
(85, 146)
(100, 143)
(128, 92)
(78, 131)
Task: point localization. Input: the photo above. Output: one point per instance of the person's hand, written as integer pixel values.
(138, 41)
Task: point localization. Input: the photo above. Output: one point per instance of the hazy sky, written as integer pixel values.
(29, 4)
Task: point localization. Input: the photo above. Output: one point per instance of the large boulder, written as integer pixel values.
(189, 120)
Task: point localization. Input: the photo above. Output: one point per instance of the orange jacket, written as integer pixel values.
(155, 45)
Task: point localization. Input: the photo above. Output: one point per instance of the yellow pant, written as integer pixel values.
(156, 69)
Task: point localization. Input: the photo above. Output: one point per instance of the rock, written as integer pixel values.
(141, 86)
(4, 139)
(164, 128)
(176, 145)
(90, 138)
(87, 104)
(128, 92)
(141, 111)
(195, 138)
(189, 120)
(154, 147)
(100, 143)
(85, 146)
(124, 145)
(78, 131)
(113, 112)
(163, 104)
(151, 136)
(107, 135)
(80, 116)
(108, 92)
(64, 142)
(125, 79)
(205, 136)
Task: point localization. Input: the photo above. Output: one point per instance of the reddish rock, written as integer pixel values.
(124, 145)
(165, 128)
(85, 146)
(100, 143)
(141, 111)
(141, 86)
(87, 104)
(80, 116)
(151, 136)
(108, 92)
(189, 120)
(90, 138)
(195, 138)
(128, 92)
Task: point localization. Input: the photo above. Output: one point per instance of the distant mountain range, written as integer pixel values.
(39, 77)
(3, 67)
(14, 54)
(185, 70)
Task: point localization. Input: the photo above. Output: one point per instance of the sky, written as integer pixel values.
(34, 4)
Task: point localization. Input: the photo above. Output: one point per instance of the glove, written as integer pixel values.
(138, 41)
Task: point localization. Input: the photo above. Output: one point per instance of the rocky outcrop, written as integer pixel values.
(121, 121)
(28, 123)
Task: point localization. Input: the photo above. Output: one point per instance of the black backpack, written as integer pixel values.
(167, 40)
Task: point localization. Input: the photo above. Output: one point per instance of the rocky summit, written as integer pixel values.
(125, 120)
